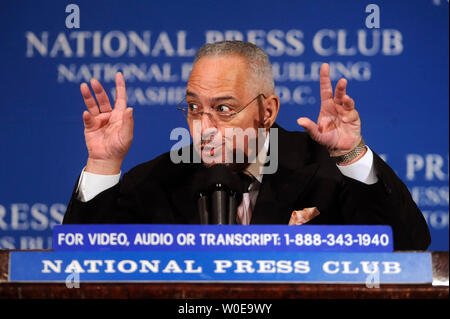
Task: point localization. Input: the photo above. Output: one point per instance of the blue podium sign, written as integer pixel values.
(369, 268)
(213, 238)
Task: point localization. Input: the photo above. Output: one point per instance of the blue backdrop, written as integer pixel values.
(398, 75)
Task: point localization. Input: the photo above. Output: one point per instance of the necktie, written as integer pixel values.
(244, 212)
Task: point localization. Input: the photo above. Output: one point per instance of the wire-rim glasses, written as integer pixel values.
(222, 112)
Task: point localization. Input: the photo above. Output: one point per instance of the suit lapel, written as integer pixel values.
(182, 194)
(185, 205)
(278, 193)
(280, 190)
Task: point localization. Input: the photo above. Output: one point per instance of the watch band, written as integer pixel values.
(346, 158)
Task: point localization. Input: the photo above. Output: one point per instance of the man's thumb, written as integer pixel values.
(311, 128)
(306, 123)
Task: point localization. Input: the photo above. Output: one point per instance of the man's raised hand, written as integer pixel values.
(108, 131)
(338, 127)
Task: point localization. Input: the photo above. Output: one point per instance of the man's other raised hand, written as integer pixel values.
(338, 127)
(108, 131)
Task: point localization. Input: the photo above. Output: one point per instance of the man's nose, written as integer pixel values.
(209, 128)
(207, 122)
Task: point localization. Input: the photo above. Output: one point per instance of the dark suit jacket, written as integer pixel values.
(159, 192)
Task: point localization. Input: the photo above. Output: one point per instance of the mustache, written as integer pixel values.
(210, 138)
(209, 146)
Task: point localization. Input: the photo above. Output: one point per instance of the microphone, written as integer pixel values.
(217, 191)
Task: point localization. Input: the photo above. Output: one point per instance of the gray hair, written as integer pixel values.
(257, 60)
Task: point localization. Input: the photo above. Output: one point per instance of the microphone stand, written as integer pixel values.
(219, 199)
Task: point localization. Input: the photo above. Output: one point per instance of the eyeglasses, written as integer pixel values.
(222, 112)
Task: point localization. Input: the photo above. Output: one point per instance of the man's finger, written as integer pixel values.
(89, 120)
(350, 117)
(121, 92)
(126, 131)
(348, 103)
(102, 97)
(340, 91)
(326, 90)
(89, 99)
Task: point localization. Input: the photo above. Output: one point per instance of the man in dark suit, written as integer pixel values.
(325, 176)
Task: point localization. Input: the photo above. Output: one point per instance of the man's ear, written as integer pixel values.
(271, 107)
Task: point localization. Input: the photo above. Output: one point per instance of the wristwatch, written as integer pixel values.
(347, 158)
